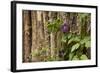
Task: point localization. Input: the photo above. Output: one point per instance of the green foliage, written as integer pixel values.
(43, 55)
(69, 35)
(64, 38)
(34, 53)
(84, 57)
(71, 55)
(73, 39)
(87, 44)
(75, 47)
(86, 41)
(54, 26)
(75, 57)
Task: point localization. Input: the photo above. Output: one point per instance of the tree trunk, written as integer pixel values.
(34, 36)
(26, 35)
(46, 34)
(52, 37)
(52, 44)
(40, 32)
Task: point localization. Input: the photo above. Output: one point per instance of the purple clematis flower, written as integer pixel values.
(65, 28)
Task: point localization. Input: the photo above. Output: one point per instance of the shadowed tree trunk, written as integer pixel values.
(58, 37)
(26, 35)
(46, 34)
(40, 32)
(34, 35)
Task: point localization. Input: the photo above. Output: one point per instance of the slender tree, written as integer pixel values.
(52, 36)
(46, 34)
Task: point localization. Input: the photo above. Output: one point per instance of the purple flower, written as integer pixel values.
(65, 28)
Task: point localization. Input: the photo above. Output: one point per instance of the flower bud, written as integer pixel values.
(65, 28)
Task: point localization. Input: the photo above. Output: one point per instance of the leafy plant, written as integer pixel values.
(54, 26)
(83, 57)
(76, 47)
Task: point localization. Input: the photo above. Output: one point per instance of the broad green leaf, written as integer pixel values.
(71, 40)
(84, 57)
(82, 41)
(74, 39)
(75, 57)
(77, 38)
(69, 36)
(71, 56)
(74, 47)
(85, 39)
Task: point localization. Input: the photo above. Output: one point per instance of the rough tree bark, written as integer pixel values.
(34, 35)
(46, 34)
(58, 37)
(52, 37)
(40, 32)
(26, 36)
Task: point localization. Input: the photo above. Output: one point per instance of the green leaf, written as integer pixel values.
(87, 44)
(82, 41)
(64, 38)
(85, 39)
(74, 39)
(71, 56)
(84, 57)
(71, 40)
(75, 57)
(77, 38)
(69, 35)
(54, 25)
(74, 47)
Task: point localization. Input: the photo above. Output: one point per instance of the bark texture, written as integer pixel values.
(26, 36)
